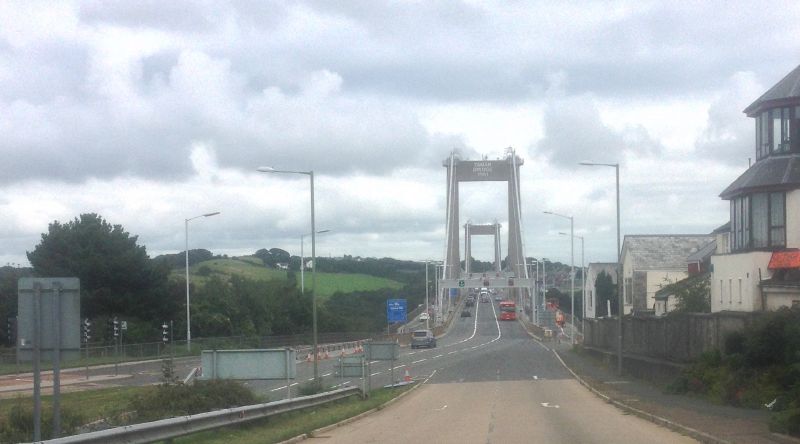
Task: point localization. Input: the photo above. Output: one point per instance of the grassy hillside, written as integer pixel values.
(252, 268)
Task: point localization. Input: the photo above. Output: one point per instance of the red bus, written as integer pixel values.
(508, 311)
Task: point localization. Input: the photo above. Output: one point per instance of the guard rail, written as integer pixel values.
(186, 425)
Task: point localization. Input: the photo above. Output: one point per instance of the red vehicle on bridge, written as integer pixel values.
(508, 311)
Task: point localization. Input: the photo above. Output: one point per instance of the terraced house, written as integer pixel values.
(757, 265)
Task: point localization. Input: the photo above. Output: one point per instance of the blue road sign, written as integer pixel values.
(396, 310)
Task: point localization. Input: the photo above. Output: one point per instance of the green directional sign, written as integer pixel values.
(461, 283)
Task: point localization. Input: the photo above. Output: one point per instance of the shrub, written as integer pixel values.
(18, 426)
(310, 388)
(168, 400)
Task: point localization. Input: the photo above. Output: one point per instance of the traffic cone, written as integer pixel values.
(407, 377)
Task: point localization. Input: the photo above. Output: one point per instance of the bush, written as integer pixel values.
(18, 426)
(787, 421)
(310, 388)
(169, 400)
(758, 367)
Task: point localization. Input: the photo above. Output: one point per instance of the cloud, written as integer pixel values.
(729, 134)
(574, 131)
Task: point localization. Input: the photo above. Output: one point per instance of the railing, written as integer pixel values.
(106, 354)
(185, 425)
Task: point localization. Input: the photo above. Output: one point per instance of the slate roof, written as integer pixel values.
(703, 253)
(663, 252)
(784, 91)
(771, 173)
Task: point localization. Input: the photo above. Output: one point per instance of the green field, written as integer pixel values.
(251, 267)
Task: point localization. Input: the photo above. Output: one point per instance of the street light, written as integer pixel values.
(188, 311)
(302, 263)
(310, 175)
(619, 267)
(583, 280)
(571, 268)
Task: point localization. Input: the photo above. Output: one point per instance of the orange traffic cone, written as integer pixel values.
(407, 377)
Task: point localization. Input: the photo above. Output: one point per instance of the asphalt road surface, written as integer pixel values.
(489, 382)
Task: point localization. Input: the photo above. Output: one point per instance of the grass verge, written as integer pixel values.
(288, 425)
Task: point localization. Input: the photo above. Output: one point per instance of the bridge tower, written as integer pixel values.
(501, 170)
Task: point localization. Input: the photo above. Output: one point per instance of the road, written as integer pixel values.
(489, 382)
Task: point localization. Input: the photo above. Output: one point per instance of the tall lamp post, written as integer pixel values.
(310, 175)
(619, 267)
(188, 311)
(583, 280)
(302, 260)
(571, 269)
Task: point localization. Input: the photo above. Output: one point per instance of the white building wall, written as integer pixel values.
(658, 279)
(793, 219)
(627, 273)
(591, 279)
(734, 280)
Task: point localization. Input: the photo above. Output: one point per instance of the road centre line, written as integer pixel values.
(437, 356)
(419, 360)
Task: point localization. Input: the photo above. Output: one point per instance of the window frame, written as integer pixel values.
(741, 236)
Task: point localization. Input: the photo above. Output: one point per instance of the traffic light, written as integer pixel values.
(87, 330)
(11, 330)
(165, 332)
(116, 327)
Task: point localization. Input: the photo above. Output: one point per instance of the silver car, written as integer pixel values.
(423, 338)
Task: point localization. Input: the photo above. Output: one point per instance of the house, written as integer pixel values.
(594, 269)
(650, 262)
(698, 265)
(757, 263)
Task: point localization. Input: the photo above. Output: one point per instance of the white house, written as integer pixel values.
(594, 269)
(757, 265)
(649, 262)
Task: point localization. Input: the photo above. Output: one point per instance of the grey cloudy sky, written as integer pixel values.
(151, 112)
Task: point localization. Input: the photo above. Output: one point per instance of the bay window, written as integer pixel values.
(758, 221)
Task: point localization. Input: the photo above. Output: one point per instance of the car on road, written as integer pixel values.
(485, 298)
(498, 297)
(423, 338)
(465, 313)
(470, 301)
(424, 316)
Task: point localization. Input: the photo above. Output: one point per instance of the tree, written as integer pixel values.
(117, 277)
(605, 290)
(692, 294)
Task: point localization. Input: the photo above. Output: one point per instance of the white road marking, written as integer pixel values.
(419, 360)
(437, 356)
(326, 374)
(443, 407)
(454, 351)
(547, 405)
(376, 373)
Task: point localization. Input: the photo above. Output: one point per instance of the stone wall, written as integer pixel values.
(675, 338)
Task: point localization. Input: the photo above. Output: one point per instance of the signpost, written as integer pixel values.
(381, 351)
(49, 324)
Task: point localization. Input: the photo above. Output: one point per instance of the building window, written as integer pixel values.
(777, 131)
(730, 291)
(628, 290)
(740, 290)
(758, 221)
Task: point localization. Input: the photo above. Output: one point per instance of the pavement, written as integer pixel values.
(696, 417)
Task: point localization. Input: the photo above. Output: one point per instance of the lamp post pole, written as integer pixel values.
(583, 280)
(302, 260)
(310, 175)
(571, 269)
(188, 310)
(620, 301)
